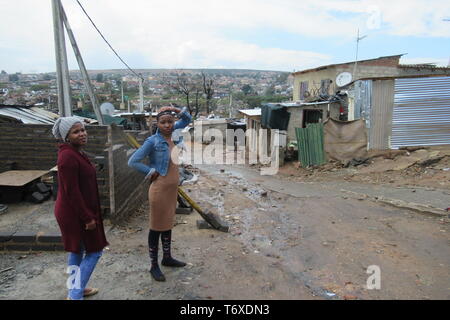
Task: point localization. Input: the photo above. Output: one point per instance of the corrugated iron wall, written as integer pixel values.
(421, 112)
(381, 114)
(310, 142)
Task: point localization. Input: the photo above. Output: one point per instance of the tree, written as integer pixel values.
(4, 72)
(247, 89)
(282, 78)
(13, 77)
(99, 77)
(270, 91)
(39, 87)
(186, 86)
(107, 87)
(208, 90)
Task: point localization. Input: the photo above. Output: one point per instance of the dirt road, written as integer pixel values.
(287, 241)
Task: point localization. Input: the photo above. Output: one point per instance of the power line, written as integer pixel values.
(87, 15)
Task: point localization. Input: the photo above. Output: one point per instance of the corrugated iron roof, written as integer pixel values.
(251, 112)
(31, 115)
(432, 66)
(345, 63)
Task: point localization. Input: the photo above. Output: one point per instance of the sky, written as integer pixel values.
(279, 35)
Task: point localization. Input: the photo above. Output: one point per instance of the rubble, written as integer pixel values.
(415, 166)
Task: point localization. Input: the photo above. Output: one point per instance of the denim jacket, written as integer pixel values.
(156, 149)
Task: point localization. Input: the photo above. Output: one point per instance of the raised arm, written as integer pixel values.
(185, 119)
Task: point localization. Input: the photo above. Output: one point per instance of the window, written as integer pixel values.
(325, 87)
(303, 90)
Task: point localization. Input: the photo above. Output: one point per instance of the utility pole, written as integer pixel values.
(121, 89)
(85, 75)
(62, 69)
(447, 20)
(231, 101)
(358, 39)
(141, 93)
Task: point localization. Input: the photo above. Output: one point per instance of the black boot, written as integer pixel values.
(168, 261)
(155, 271)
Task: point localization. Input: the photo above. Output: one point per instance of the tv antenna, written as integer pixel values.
(358, 39)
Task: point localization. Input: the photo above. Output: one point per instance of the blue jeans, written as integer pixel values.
(80, 269)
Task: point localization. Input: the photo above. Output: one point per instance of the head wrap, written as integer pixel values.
(165, 112)
(62, 126)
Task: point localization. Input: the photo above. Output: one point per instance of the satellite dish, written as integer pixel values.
(107, 108)
(343, 79)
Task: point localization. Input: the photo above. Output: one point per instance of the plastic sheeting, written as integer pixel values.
(274, 117)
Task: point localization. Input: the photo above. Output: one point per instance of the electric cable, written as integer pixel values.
(107, 42)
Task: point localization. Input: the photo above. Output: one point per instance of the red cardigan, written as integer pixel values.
(78, 201)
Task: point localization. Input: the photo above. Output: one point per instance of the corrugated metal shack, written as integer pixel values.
(402, 111)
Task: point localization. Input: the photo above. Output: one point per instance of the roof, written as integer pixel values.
(402, 77)
(423, 66)
(251, 112)
(345, 63)
(30, 115)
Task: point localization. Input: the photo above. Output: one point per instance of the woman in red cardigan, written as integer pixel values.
(77, 208)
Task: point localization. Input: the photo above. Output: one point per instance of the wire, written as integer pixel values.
(139, 76)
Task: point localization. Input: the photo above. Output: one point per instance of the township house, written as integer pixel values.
(373, 104)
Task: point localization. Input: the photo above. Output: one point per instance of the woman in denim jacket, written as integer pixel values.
(163, 175)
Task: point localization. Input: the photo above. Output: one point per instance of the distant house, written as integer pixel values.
(320, 82)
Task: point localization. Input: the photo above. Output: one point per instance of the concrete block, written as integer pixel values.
(6, 236)
(202, 224)
(17, 247)
(40, 247)
(59, 247)
(183, 211)
(25, 236)
(54, 238)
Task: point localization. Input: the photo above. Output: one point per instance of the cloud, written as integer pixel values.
(193, 34)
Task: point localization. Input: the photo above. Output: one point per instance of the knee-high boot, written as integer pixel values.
(168, 261)
(153, 240)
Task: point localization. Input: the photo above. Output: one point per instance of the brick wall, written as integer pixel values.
(33, 147)
(130, 190)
